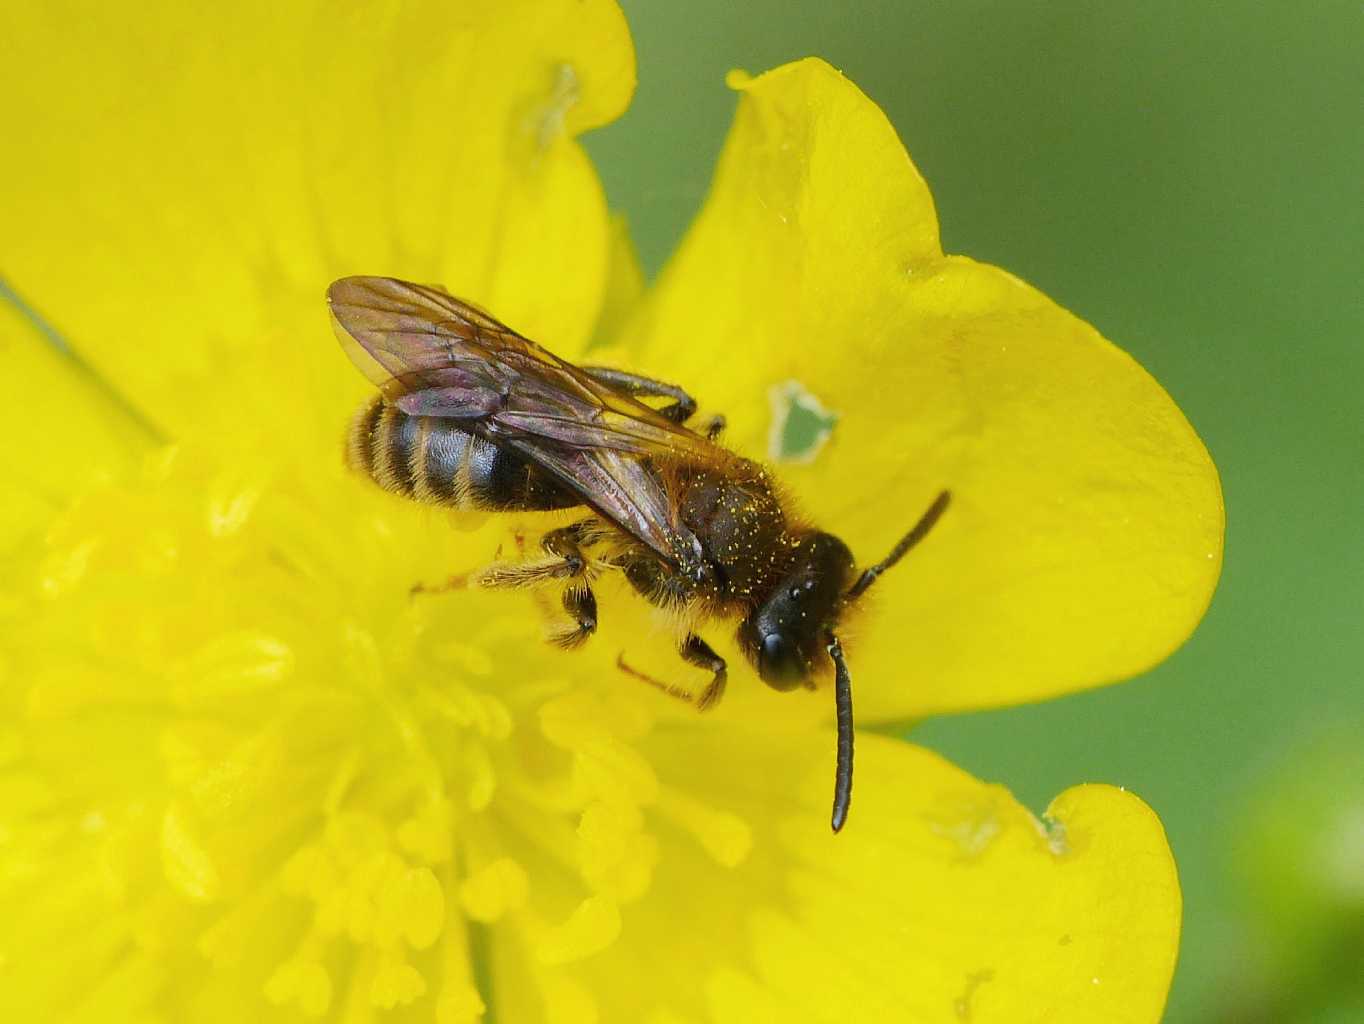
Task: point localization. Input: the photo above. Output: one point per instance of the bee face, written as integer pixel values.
(787, 633)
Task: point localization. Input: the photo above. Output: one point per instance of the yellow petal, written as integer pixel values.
(190, 174)
(1084, 536)
(624, 286)
(942, 900)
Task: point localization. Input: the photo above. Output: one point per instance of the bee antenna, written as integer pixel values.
(843, 704)
(918, 533)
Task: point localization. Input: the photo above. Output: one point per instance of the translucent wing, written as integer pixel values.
(433, 355)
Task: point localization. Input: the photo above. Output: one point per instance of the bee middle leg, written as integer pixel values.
(581, 605)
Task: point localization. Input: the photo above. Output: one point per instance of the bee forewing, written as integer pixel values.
(434, 355)
(407, 339)
(358, 354)
(458, 403)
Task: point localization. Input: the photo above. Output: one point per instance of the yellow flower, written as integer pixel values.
(244, 775)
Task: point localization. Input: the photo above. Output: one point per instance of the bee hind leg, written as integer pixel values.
(565, 561)
(565, 543)
(459, 581)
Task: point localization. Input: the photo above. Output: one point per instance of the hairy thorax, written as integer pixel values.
(742, 525)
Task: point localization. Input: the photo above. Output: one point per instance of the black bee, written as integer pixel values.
(472, 415)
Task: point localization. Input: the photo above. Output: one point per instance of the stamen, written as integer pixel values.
(481, 779)
(726, 837)
(226, 943)
(469, 709)
(341, 781)
(304, 983)
(310, 873)
(592, 927)
(409, 904)
(427, 835)
(458, 1000)
(488, 894)
(396, 983)
(231, 664)
(187, 864)
(615, 855)
(603, 766)
(566, 1000)
(468, 659)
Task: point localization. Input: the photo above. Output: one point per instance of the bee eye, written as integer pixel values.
(780, 663)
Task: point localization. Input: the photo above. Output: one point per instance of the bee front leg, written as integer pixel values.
(694, 651)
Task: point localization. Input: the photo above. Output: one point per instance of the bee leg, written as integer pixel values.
(696, 652)
(714, 427)
(581, 604)
(565, 561)
(460, 581)
(563, 543)
(634, 385)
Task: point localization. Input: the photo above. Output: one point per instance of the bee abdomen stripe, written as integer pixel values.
(398, 434)
(433, 460)
(443, 463)
(360, 444)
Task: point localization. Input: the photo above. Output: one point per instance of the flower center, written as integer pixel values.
(319, 779)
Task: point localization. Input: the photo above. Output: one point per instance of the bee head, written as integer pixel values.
(786, 635)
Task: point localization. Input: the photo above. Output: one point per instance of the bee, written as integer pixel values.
(472, 415)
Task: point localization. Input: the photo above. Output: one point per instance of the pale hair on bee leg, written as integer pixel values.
(522, 575)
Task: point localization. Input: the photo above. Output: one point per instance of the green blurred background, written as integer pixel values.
(1187, 177)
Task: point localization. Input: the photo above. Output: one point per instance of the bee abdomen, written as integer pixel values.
(361, 438)
(431, 459)
(383, 443)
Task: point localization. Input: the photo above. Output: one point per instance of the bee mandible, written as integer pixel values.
(472, 415)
